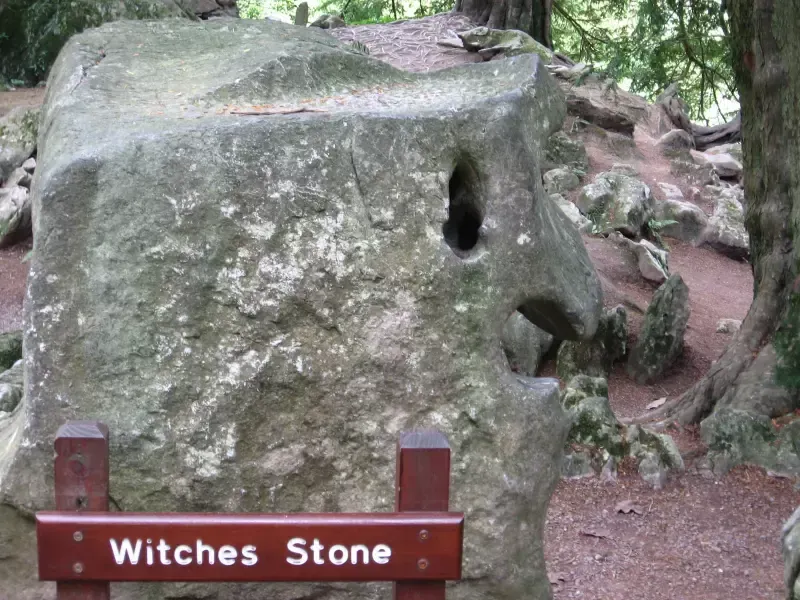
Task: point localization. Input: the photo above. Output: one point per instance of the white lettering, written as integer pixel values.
(295, 545)
(249, 556)
(227, 555)
(381, 554)
(316, 548)
(201, 547)
(149, 552)
(125, 551)
(163, 548)
(354, 550)
(337, 549)
(179, 558)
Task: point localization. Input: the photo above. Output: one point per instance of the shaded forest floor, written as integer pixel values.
(698, 537)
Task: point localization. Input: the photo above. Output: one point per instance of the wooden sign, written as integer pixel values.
(83, 547)
(249, 547)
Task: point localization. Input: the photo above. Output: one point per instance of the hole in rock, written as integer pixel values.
(465, 210)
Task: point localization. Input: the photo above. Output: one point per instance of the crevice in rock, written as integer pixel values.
(465, 210)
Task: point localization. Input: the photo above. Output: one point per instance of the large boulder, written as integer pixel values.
(735, 436)
(617, 202)
(257, 304)
(601, 102)
(660, 340)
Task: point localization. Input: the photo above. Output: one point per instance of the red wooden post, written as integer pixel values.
(81, 481)
(423, 484)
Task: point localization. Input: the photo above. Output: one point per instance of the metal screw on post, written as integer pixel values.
(423, 484)
(81, 482)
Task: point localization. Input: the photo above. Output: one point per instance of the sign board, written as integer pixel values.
(96, 546)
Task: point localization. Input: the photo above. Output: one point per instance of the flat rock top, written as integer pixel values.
(138, 72)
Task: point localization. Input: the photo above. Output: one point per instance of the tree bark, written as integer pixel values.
(531, 16)
(766, 53)
(704, 137)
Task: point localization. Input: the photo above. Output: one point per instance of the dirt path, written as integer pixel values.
(697, 539)
(21, 97)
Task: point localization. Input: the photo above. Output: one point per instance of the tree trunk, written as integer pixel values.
(766, 53)
(531, 16)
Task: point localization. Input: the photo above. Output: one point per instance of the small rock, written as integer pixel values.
(694, 174)
(10, 349)
(728, 325)
(572, 213)
(563, 150)
(726, 232)
(18, 132)
(651, 260)
(725, 165)
(653, 471)
(674, 141)
(594, 424)
(11, 387)
(661, 338)
(301, 14)
(524, 344)
(577, 465)
(557, 181)
(690, 222)
(671, 192)
(596, 356)
(15, 215)
(19, 178)
(581, 387)
(29, 165)
(734, 150)
(617, 202)
(326, 21)
(624, 169)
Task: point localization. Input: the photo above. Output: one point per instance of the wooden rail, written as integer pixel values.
(83, 547)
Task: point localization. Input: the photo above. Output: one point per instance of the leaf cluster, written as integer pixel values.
(649, 44)
(33, 32)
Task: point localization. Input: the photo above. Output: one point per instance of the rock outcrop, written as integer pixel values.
(617, 202)
(18, 131)
(326, 273)
(596, 356)
(726, 232)
(660, 341)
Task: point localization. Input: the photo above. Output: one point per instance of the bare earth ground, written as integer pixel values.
(696, 539)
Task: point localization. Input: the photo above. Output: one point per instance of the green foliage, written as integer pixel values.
(33, 32)
(653, 231)
(254, 9)
(787, 345)
(648, 44)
